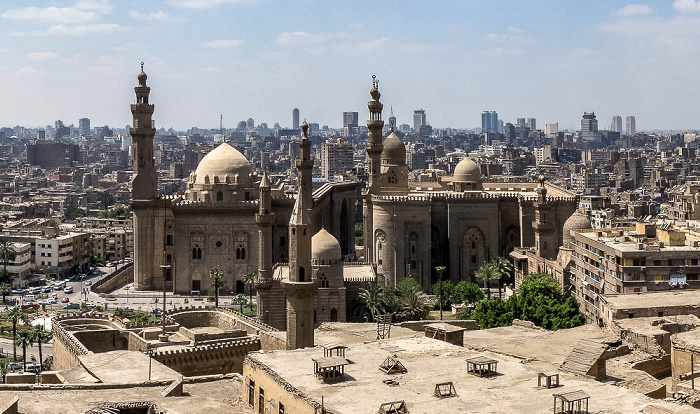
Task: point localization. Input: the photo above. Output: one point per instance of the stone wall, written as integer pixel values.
(224, 319)
(419, 326)
(106, 340)
(117, 280)
(66, 348)
(272, 341)
(209, 359)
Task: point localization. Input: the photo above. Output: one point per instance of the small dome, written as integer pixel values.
(394, 151)
(325, 247)
(577, 221)
(142, 78)
(221, 161)
(467, 171)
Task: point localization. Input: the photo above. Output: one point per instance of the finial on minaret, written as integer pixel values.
(141, 66)
(142, 77)
(304, 130)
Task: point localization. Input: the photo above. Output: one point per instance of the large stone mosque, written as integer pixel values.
(299, 246)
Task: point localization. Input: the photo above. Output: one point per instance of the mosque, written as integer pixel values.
(298, 246)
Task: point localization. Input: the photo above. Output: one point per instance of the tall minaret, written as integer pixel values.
(300, 289)
(374, 151)
(148, 243)
(543, 224)
(265, 219)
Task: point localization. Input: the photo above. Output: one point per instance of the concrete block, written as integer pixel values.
(50, 377)
(174, 389)
(11, 407)
(23, 378)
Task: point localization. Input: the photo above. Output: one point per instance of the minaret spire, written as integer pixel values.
(374, 145)
(263, 284)
(145, 183)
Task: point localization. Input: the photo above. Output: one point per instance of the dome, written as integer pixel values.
(467, 171)
(576, 221)
(221, 162)
(325, 247)
(142, 78)
(394, 151)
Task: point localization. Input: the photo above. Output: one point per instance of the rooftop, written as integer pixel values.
(657, 299)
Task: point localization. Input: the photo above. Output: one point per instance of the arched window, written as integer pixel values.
(168, 259)
(238, 253)
(194, 253)
(301, 274)
(219, 196)
(199, 253)
(242, 253)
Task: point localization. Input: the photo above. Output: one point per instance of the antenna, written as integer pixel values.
(221, 123)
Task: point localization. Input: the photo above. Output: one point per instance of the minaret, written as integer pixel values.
(543, 224)
(374, 151)
(148, 226)
(300, 289)
(265, 219)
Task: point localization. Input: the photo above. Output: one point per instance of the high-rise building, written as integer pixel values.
(84, 126)
(509, 132)
(588, 124)
(418, 119)
(336, 157)
(532, 124)
(295, 118)
(551, 128)
(521, 122)
(489, 121)
(392, 120)
(250, 124)
(350, 119)
(630, 125)
(616, 124)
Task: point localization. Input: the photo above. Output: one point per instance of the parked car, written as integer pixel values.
(17, 291)
(111, 297)
(35, 291)
(54, 295)
(88, 282)
(65, 300)
(71, 306)
(68, 289)
(46, 289)
(90, 304)
(51, 301)
(157, 312)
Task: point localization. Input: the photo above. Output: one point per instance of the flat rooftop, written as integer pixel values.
(629, 242)
(429, 361)
(117, 367)
(660, 299)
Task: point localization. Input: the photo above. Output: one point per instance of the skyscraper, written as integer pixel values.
(588, 124)
(489, 121)
(616, 124)
(520, 122)
(532, 124)
(350, 119)
(295, 118)
(84, 126)
(418, 119)
(551, 127)
(630, 125)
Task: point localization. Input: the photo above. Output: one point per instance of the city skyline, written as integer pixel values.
(73, 59)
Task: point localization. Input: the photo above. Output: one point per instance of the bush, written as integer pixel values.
(447, 289)
(466, 292)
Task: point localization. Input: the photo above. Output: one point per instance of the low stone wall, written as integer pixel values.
(116, 280)
(114, 386)
(419, 326)
(209, 359)
(224, 319)
(206, 336)
(273, 341)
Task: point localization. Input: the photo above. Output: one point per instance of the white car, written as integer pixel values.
(51, 301)
(88, 282)
(90, 304)
(68, 289)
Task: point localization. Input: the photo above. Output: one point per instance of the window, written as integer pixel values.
(281, 408)
(261, 401)
(169, 240)
(219, 244)
(282, 240)
(694, 262)
(473, 259)
(251, 393)
(219, 196)
(240, 252)
(301, 274)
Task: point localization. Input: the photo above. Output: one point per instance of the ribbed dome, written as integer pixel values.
(325, 247)
(394, 151)
(467, 171)
(577, 221)
(223, 161)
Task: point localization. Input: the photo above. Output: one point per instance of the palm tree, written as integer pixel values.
(41, 336)
(15, 314)
(415, 304)
(217, 281)
(486, 274)
(440, 270)
(7, 254)
(240, 300)
(373, 298)
(504, 269)
(249, 279)
(24, 338)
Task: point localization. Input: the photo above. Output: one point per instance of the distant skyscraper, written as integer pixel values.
(509, 131)
(532, 124)
(392, 120)
(84, 126)
(250, 124)
(551, 128)
(295, 118)
(336, 157)
(40, 134)
(500, 126)
(588, 124)
(418, 119)
(521, 122)
(630, 125)
(350, 119)
(489, 121)
(616, 124)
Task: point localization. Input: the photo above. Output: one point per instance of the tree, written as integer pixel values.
(72, 213)
(442, 289)
(503, 268)
(391, 302)
(359, 239)
(486, 274)
(407, 284)
(415, 304)
(15, 314)
(493, 313)
(541, 301)
(24, 338)
(239, 299)
(249, 279)
(41, 336)
(7, 255)
(217, 281)
(4, 288)
(372, 299)
(468, 293)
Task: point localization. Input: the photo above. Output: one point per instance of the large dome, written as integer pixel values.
(222, 162)
(577, 221)
(325, 248)
(394, 151)
(467, 171)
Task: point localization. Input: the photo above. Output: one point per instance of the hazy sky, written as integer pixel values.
(552, 60)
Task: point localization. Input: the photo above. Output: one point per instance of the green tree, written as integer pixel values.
(468, 293)
(239, 299)
(359, 239)
(249, 279)
(504, 270)
(15, 315)
(4, 288)
(486, 274)
(72, 213)
(7, 255)
(493, 313)
(24, 338)
(541, 301)
(407, 284)
(391, 302)
(372, 299)
(41, 336)
(216, 275)
(117, 211)
(443, 290)
(415, 304)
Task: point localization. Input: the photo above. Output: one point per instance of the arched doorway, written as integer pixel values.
(240, 286)
(334, 315)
